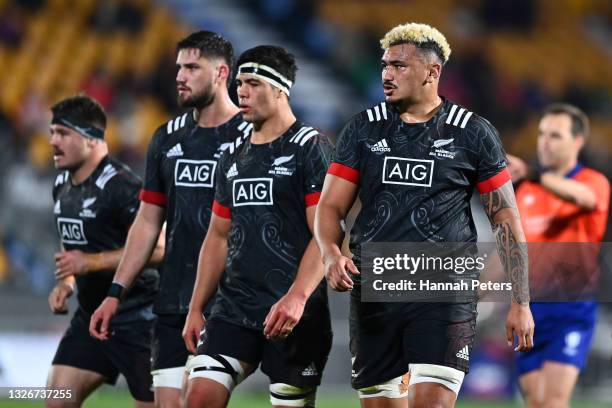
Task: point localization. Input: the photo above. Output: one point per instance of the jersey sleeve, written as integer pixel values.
(222, 201)
(600, 186)
(153, 191)
(315, 162)
(345, 159)
(125, 199)
(491, 163)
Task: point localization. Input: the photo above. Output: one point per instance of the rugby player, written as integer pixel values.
(271, 307)
(96, 199)
(414, 161)
(563, 202)
(179, 189)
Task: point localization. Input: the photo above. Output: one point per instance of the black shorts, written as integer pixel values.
(298, 360)
(387, 337)
(169, 350)
(127, 351)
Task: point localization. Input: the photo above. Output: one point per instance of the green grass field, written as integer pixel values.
(111, 399)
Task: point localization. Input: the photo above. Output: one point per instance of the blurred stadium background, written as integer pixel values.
(510, 58)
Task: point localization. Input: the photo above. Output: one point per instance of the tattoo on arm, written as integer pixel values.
(500, 206)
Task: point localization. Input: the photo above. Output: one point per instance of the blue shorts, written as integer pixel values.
(563, 333)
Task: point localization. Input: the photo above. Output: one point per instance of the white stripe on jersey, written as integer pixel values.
(462, 116)
(247, 130)
(458, 117)
(176, 123)
(450, 115)
(370, 116)
(302, 131)
(307, 137)
(377, 113)
(465, 120)
(108, 173)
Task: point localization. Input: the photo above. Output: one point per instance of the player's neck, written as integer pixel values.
(88, 167)
(273, 127)
(217, 113)
(420, 111)
(561, 171)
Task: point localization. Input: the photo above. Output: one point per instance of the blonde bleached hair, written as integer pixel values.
(423, 36)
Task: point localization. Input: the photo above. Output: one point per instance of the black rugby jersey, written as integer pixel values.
(180, 176)
(265, 189)
(416, 180)
(96, 216)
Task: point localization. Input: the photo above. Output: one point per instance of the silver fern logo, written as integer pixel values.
(443, 153)
(443, 142)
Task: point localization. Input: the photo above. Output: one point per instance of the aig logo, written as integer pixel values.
(194, 173)
(71, 231)
(252, 191)
(409, 172)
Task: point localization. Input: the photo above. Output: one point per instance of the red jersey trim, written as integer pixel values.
(312, 198)
(494, 182)
(221, 210)
(153, 197)
(345, 172)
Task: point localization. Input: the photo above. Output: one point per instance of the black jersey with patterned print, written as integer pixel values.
(416, 180)
(95, 216)
(180, 176)
(265, 189)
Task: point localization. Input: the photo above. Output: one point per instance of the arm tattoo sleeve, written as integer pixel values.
(500, 206)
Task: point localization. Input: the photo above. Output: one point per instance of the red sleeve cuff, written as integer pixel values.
(153, 197)
(221, 210)
(345, 172)
(494, 182)
(312, 198)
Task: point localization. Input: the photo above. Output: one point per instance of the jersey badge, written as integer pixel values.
(86, 212)
(278, 168)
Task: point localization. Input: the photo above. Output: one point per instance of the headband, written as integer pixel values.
(83, 128)
(268, 74)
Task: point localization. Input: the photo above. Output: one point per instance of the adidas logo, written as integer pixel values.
(310, 371)
(464, 353)
(233, 171)
(381, 146)
(177, 150)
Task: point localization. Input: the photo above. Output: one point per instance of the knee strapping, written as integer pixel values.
(447, 376)
(394, 388)
(225, 370)
(291, 396)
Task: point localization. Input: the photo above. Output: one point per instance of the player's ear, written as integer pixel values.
(579, 141)
(434, 70)
(223, 73)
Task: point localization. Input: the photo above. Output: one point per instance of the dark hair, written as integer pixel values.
(273, 56)
(580, 121)
(210, 44)
(426, 48)
(82, 108)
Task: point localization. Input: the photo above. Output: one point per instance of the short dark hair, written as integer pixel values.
(273, 56)
(427, 48)
(82, 108)
(580, 121)
(210, 44)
